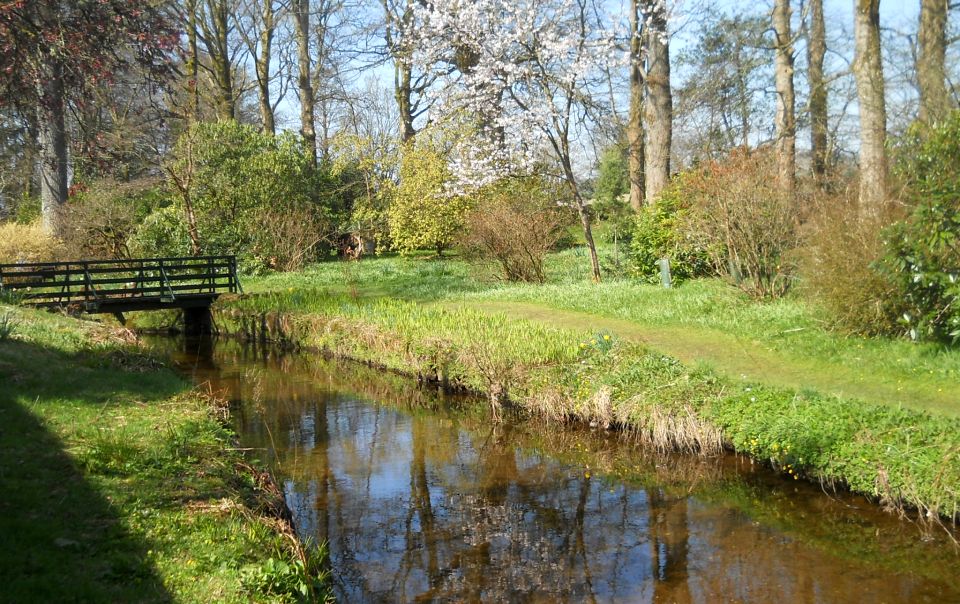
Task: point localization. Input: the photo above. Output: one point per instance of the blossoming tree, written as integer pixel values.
(527, 76)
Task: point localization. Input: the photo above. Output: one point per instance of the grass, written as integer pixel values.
(118, 483)
(782, 343)
(674, 367)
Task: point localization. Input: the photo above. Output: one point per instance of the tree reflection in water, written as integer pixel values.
(422, 499)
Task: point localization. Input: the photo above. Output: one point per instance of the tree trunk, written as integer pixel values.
(931, 59)
(584, 216)
(262, 65)
(307, 117)
(659, 105)
(218, 49)
(635, 124)
(403, 93)
(193, 67)
(868, 72)
(785, 120)
(53, 147)
(816, 50)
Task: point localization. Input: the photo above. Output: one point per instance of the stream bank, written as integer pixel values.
(422, 498)
(901, 458)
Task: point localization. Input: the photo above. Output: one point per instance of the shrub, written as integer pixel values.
(99, 222)
(612, 185)
(21, 243)
(423, 214)
(288, 239)
(226, 177)
(745, 223)
(515, 224)
(658, 233)
(838, 268)
(923, 252)
(162, 233)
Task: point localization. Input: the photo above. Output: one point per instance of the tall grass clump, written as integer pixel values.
(8, 325)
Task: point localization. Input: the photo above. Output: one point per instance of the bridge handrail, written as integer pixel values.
(92, 282)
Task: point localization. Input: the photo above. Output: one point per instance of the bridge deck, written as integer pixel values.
(118, 286)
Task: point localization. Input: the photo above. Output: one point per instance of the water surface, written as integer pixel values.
(422, 498)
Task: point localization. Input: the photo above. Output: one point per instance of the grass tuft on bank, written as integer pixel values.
(119, 483)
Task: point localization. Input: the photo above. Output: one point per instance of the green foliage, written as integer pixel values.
(27, 210)
(8, 325)
(299, 580)
(659, 233)
(923, 252)
(612, 184)
(367, 170)
(423, 214)
(237, 182)
(162, 233)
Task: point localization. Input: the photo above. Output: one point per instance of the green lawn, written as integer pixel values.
(117, 483)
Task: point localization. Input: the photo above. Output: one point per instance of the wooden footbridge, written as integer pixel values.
(190, 284)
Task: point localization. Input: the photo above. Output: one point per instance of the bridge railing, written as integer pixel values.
(90, 283)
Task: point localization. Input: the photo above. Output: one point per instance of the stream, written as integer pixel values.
(421, 497)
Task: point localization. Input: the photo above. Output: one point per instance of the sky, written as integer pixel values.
(896, 16)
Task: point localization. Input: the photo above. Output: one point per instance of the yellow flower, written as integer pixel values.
(606, 337)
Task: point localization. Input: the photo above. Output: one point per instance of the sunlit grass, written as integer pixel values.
(117, 482)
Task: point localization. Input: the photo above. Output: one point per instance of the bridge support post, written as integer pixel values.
(197, 321)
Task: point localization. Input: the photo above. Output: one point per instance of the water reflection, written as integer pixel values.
(421, 498)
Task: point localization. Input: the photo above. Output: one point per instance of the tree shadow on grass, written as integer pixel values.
(61, 540)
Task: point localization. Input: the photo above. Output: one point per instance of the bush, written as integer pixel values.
(99, 222)
(515, 224)
(923, 252)
(423, 214)
(838, 268)
(21, 243)
(288, 239)
(658, 233)
(227, 178)
(162, 233)
(612, 185)
(744, 222)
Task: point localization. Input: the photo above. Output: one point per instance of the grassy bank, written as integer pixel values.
(119, 483)
(574, 351)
